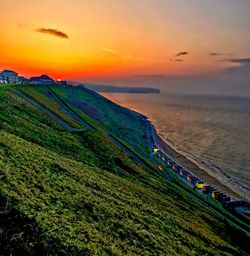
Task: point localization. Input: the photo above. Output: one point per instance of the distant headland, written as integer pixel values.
(121, 89)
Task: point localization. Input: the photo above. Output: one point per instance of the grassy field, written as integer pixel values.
(65, 193)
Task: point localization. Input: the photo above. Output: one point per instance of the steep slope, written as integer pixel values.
(77, 193)
(81, 107)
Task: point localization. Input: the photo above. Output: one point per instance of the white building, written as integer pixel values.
(8, 76)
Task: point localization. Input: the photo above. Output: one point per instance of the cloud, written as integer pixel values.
(110, 51)
(243, 69)
(243, 61)
(53, 32)
(177, 60)
(181, 53)
(215, 54)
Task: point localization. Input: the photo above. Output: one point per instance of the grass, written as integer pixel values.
(65, 193)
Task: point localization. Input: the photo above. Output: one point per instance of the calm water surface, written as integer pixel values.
(213, 132)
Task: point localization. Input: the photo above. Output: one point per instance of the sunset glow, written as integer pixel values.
(95, 40)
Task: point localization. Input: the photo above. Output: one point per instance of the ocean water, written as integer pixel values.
(211, 131)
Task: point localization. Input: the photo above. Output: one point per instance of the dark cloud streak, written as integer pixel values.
(177, 60)
(53, 32)
(239, 60)
(181, 54)
(215, 54)
(242, 70)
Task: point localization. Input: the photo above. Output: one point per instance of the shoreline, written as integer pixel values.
(187, 162)
(190, 164)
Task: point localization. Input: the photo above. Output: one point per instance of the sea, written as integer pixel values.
(211, 131)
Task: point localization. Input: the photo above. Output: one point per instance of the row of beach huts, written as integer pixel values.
(198, 184)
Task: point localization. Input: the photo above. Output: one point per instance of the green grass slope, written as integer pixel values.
(77, 193)
(74, 103)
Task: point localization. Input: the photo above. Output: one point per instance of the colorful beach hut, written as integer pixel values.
(225, 199)
(169, 162)
(200, 184)
(174, 167)
(160, 168)
(183, 173)
(189, 178)
(156, 150)
(172, 164)
(206, 189)
(216, 195)
(193, 179)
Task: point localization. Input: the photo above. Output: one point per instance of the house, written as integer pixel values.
(43, 79)
(61, 82)
(3, 80)
(8, 76)
(23, 80)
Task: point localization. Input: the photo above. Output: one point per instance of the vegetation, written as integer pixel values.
(77, 193)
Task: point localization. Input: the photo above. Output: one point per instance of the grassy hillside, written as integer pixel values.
(77, 103)
(77, 193)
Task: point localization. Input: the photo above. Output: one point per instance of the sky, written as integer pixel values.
(126, 41)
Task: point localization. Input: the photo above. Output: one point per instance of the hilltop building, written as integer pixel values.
(43, 79)
(61, 82)
(8, 76)
(3, 80)
(23, 80)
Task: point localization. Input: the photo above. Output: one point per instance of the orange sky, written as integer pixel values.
(117, 38)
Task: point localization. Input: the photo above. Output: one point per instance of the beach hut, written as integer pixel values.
(216, 195)
(172, 163)
(182, 172)
(206, 189)
(179, 168)
(189, 178)
(156, 150)
(169, 162)
(211, 191)
(219, 196)
(200, 184)
(213, 194)
(160, 153)
(166, 159)
(160, 168)
(186, 174)
(174, 167)
(225, 199)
